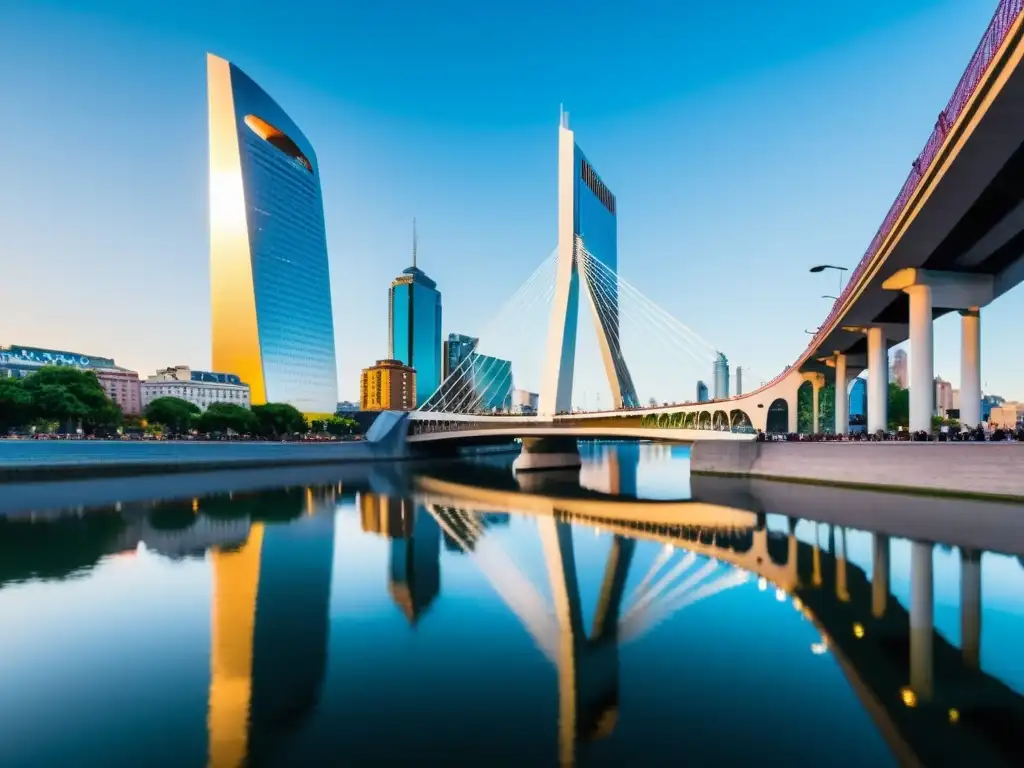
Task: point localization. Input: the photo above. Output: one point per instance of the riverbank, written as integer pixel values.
(22, 460)
(963, 470)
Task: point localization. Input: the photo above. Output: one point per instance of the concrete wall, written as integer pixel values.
(983, 469)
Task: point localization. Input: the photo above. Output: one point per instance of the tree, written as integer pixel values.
(15, 405)
(342, 425)
(172, 413)
(278, 419)
(899, 406)
(65, 394)
(318, 426)
(221, 417)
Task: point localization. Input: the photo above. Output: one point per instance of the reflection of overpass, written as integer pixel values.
(930, 700)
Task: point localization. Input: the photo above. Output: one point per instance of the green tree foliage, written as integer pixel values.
(69, 396)
(279, 419)
(899, 406)
(172, 413)
(221, 417)
(341, 425)
(826, 408)
(15, 405)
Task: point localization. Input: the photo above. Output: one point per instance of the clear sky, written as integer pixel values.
(745, 141)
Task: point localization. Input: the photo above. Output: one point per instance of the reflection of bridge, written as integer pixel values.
(930, 700)
(952, 241)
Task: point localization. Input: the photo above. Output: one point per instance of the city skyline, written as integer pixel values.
(764, 254)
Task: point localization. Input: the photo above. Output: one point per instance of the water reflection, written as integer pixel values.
(272, 560)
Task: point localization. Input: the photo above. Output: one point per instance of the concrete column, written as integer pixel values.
(880, 575)
(842, 397)
(970, 607)
(878, 381)
(970, 367)
(922, 362)
(922, 608)
(791, 413)
(814, 406)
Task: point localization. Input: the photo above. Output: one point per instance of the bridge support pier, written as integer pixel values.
(970, 367)
(544, 453)
(970, 607)
(878, 381)
(880, 575)
(842, 396)
(922, 361)
(922, 624)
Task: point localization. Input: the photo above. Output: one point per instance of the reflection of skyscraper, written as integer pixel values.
(272, 323)
(269, 634)
(414, 334)
(391, 517)
(468, 525)
(416, 566)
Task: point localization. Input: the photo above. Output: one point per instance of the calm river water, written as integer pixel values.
(454, 614)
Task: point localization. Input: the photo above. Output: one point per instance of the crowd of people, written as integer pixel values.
(975, 435)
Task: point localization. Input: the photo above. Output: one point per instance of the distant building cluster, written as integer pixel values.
(201, 388)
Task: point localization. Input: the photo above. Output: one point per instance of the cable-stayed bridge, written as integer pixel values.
(953, 240)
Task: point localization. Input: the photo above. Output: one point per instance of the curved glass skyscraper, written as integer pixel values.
(269, 279)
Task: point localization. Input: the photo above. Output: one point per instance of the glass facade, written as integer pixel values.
(280, 339)
(416, 329)
(596, 225)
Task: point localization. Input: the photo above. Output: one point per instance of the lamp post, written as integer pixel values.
(833, 298)
(840, 270)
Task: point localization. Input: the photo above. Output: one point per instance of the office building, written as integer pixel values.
(943, 396)
(859, 398)
(472, 381)
(739, 380)
(898, 371)
(388, 386)
(524, 402)
(702, 392)
(347, 406)
(587, 226)
(1007, 416)
(414, 326)
(120, 384)
(201, 388)
(721, 377)
(272, 322)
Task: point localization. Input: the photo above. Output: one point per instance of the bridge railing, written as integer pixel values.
(995, 35)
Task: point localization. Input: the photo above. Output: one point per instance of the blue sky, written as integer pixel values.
(745, 142)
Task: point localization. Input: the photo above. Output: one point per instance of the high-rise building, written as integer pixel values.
(859, 398)
(587, 224)
(898, 372)
(388, 386)
(473, 381)
(943, 396)
(702, 392)
(721, 374)
(739, 380)
(272, 322)
(414, 332)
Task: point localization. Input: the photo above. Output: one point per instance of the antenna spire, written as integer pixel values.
(414, 242)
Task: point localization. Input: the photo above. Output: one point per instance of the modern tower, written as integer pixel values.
(702, 392)
(586, 222)
(721, 377)
(414, 333)
(269, 278)
(473, 381)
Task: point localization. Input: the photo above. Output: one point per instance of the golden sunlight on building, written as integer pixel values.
(388, 386)
(235, 584)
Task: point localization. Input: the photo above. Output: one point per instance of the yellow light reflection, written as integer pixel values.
(908, 696)
(954, 715)
(858, 630)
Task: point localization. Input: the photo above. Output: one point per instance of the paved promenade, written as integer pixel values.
(20, 459)
(963, 469)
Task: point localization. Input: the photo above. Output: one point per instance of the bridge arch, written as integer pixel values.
(804, 408)
(778, 417)
(704, 420)
(720, 421)
(740, 422)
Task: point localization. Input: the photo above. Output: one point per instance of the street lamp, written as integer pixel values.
(840, 270)
(829, 297)
(810, 332)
